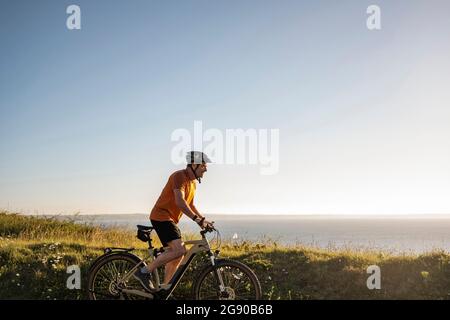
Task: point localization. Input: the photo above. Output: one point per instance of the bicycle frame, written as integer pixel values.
(197, 247)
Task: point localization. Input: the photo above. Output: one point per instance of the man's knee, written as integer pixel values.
(181, 251)
(178, 248)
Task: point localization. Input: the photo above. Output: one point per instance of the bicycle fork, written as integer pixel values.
(217, 274)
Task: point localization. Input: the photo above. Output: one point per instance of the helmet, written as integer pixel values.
(197, 157)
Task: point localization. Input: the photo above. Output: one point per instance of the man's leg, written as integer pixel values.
(171, 268)
(176, 251)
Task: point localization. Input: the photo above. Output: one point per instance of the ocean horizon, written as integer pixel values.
(391, 233)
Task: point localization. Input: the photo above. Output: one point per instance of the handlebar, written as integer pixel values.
(210, 228)
(207, 229)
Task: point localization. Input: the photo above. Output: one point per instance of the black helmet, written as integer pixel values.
(197, 157)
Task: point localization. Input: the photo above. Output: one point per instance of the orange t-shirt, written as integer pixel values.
(165, 208)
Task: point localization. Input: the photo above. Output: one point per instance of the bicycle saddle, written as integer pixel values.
(144, 228)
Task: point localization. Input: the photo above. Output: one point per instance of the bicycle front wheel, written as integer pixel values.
(239, 280)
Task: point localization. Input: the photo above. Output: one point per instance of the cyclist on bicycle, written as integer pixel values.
(176, 198)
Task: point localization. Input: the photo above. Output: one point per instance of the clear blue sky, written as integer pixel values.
(86, 115)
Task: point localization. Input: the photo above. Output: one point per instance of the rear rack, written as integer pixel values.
(113, 249)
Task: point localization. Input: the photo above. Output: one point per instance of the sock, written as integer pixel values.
(144, 270)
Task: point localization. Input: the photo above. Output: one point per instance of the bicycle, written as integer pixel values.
(111, 275)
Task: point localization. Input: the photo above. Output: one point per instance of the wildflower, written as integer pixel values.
(17, 274)
(49, 290)
(425, 274)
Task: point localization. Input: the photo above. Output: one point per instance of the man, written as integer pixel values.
(176, 198)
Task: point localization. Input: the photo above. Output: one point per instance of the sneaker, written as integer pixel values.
(164, 286)
(162, 292)
(145, 278)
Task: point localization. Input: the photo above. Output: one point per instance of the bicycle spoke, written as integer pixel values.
(108, 272)
(102, 282)
(108, 280)
(211, 289)
(245, 284)
(238, 284)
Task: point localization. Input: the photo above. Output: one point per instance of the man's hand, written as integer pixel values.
(207, 224)
(204, 223)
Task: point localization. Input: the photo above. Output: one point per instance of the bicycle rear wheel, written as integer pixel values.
(240, 282)
(105, 279)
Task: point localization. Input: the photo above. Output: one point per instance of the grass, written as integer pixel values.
(35, 253)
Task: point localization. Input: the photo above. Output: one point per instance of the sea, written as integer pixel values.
(394, 234)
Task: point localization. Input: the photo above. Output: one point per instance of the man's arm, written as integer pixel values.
(192, 206)
(206, 222)
(183, 205)
(190, 211)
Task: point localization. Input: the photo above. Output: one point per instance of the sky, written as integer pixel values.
(86, 116)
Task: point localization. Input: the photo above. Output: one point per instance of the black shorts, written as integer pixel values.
(167, 231)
